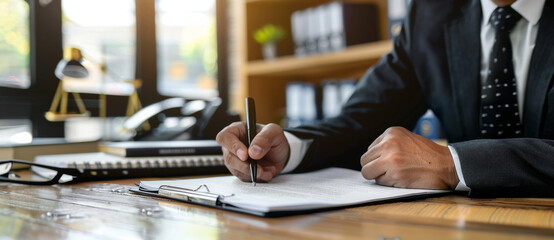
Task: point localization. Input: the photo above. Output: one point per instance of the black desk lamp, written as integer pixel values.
(69, 66)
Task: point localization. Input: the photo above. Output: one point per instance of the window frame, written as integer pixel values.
(46, 50)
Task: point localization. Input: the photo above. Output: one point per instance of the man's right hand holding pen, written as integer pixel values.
(269, 148)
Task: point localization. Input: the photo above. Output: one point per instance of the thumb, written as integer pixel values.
(268, 137)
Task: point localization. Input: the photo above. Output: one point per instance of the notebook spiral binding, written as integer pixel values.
(154, 162)
(108, 167)
(153, 167)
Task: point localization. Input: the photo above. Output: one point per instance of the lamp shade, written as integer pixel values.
(74, 69)
(71, 65)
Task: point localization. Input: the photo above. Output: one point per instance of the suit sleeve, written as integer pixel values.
(387, 95)
(508, 167)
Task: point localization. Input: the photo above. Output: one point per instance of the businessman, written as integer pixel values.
(485, 67)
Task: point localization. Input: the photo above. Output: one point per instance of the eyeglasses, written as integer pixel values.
(17, 171)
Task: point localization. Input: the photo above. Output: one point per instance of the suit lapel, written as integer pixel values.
(463, 48)
(541, 71)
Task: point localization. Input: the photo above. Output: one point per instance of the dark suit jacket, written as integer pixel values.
(435, 64)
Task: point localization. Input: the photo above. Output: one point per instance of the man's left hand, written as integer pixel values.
(400, 158)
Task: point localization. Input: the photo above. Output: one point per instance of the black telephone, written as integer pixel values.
(199, 119)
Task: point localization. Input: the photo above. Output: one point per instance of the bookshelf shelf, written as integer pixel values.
(363, 55)
(266, 80)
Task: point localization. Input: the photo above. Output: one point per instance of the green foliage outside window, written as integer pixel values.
(14, 43)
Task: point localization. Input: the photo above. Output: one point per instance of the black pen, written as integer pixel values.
(251, 133)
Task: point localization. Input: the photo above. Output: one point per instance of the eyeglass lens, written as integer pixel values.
(26, 172)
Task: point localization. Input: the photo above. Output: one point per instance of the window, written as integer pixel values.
(187, 48)
(104, 30)
(14, 44)
(16, 131)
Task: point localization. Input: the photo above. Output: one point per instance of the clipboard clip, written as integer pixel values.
(191, 195)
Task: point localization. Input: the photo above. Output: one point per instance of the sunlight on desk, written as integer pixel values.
(108, 209)
(532, 212)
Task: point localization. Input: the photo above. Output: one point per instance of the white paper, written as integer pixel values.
(332, 187)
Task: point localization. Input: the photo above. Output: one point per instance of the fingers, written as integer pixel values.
(241, 169)
(374, 169)
(387, 180)
(236, 166)
(235, 152)
(371, 154)
(388, 171)
(230, 139)
(389, 141)
(372, 166)
(269, 136)
(381, 155)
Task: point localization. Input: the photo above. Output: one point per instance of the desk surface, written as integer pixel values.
(107, 210)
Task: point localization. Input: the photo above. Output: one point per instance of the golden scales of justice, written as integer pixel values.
(76, 76)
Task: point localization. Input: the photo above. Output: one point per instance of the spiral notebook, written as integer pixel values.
(99, 165)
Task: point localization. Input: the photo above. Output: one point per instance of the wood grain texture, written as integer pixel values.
(107, 210)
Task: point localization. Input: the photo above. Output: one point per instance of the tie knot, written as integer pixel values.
(504, 18)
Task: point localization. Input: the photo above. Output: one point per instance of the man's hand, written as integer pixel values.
(269, 147)
(400, 158)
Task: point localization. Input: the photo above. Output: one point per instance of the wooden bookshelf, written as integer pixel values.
(266, 80)
(358, 56)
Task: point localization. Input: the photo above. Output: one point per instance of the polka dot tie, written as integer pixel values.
(499, 107)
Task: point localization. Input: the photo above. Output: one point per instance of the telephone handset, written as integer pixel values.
(198, 119)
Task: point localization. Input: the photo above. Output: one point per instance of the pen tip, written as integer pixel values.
(254, 184)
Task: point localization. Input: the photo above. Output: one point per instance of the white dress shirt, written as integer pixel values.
(523, 38)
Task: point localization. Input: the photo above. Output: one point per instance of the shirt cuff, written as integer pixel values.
(462, 184)
(298, 148)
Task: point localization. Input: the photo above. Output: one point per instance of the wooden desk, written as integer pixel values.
(106, 210)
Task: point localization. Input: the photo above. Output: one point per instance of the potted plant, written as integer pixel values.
(267, 36)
